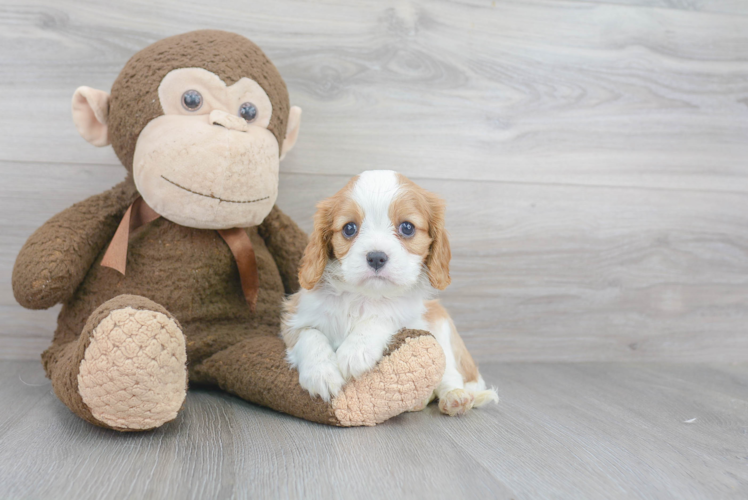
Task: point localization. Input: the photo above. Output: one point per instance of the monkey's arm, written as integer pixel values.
(56, 258)
(286, 242)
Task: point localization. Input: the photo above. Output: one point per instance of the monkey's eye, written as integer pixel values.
(192, 100)
(350, 230)
(248, 111)
(407, 229)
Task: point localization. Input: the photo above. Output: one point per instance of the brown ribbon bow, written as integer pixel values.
(140, 214)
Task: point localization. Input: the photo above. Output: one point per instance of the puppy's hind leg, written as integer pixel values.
(481, 393)
(453, 398)
(462, 387)
(475, 386)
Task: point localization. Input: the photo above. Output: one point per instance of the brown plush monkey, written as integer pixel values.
(158, 284)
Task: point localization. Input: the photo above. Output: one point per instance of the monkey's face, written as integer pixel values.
(209, 162)
(202, 121)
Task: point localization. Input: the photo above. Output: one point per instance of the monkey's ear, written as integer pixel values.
(292, 131)
(90, 113)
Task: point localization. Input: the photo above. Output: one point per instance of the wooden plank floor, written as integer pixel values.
(582, 430)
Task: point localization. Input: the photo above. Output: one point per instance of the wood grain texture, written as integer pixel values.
(593, 154)
(539, 272)
(561, 431)
(718, 6)
(532, 91)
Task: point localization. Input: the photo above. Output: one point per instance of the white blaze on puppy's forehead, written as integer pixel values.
(374, 191)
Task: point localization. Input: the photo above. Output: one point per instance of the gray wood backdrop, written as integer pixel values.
(594, 155)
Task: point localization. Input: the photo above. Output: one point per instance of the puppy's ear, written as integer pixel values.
(317, 252)
(439, 256)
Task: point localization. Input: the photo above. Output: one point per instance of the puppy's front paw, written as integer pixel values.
(322, 379)
(356, 359)
(456, 402)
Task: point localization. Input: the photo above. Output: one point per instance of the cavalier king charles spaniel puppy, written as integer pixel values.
(377, 253)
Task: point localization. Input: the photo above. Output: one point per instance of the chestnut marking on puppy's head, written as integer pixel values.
(319, 250)
(381, 233)
(427, 212)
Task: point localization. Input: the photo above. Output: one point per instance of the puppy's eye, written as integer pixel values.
(248, 111)
(407, 229)
(192, 100)
(350, 230)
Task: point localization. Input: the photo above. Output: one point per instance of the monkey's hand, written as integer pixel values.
(286, 243)
(56, 258)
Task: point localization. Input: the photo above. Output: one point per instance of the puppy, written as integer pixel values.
(377, 252)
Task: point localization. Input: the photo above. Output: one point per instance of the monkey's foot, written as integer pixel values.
(423, 404)
(404, 378)
(133, 374)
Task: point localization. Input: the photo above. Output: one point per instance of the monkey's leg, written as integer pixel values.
(127, 370)
(256, 370)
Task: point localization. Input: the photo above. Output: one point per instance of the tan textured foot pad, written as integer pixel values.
(401, 381)
(133, 374)
(423, 404)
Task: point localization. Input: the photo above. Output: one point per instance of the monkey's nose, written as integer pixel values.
(231, 122)
(376, 260)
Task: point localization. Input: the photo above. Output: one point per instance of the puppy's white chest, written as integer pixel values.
(359, 313)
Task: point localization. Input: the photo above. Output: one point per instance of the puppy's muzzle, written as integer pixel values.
(376, 260)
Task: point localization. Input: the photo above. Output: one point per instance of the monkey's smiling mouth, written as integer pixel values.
(211, 196)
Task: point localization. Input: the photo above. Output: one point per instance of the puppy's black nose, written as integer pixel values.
(376, 260)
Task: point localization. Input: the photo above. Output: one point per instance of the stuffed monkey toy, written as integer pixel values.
(178, 273)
